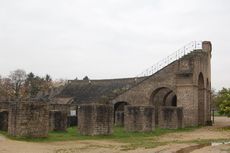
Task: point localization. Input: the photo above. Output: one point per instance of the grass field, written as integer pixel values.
(134, 139)
(131, 140)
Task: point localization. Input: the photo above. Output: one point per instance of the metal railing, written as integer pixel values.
(194, 45)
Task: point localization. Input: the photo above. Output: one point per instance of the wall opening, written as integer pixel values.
(201, 99)
(162, 97)
(119, 113)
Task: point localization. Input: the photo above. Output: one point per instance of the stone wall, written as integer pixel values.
(3, 120)
(139, 118)
(57, 120)
(95, 119)
(28, 119)
(171, 117)
(4, 105)
(181, 77)
(60, 107)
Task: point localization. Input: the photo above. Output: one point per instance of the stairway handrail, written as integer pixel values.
(190, 47)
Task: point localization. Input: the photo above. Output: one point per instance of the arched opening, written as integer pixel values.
(162, 97)
(201, 99)
(170, 99)
(174, 100)
(119, 113)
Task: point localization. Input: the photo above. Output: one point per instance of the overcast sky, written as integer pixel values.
(109, 38)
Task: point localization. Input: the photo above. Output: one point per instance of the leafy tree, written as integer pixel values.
(222, 101)
(35, 84)
(47, 82)
(32, 84)
(86, 78)
(20, 85)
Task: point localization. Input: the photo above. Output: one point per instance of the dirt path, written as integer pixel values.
(214, 132)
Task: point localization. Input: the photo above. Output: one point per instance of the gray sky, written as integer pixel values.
(109, 38)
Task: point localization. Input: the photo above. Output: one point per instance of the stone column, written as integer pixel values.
(95, 119)
(139, 118)
(171, 117)
(28, 119)
(187, 97)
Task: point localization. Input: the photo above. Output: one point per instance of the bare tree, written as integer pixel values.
(6, 91)
(17, 78)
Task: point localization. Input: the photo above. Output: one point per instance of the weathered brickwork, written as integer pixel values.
(171, 117)
(139, 118)
(28, 119)
(3, 120)
(4, 105)
(188, 78)
(57, 120)
(95, 119)
(60, 107)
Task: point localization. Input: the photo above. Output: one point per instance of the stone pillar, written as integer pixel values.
(187, 97)
(57, 120)
(208, 111)
(3, 120)
(28, 119)
(95, 119)
(207, 47)
(139, 118)
(171, 117)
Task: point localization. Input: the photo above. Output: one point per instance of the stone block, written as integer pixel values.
(171, 117)
(28, 119)
(139, 118)
(95, 119)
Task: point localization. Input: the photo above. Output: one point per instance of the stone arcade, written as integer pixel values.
(175, 93)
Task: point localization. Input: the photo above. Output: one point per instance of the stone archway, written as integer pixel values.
(119, 113)
(162, 96)
(201, 100)
(170, 99)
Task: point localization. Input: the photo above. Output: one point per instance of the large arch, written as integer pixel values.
(201, 100)
(162, 96)
(170, 100)
(119, 113)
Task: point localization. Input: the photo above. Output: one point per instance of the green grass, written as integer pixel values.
(119, 134)
(132, 139)
(216, 113)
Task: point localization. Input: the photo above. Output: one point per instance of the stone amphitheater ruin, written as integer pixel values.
(174, 93)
